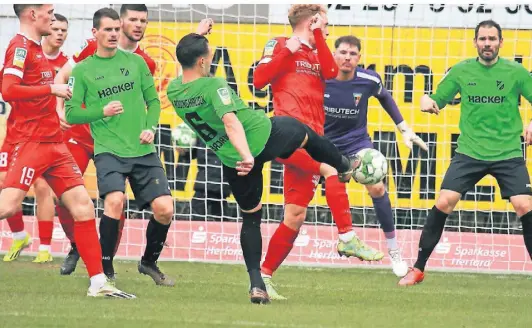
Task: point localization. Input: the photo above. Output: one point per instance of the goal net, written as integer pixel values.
(410, 46)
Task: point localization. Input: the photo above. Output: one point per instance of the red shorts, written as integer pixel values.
(5, 153)
(301, 176)
(81, 152)
(52, 161)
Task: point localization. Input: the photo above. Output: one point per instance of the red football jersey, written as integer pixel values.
(57, 61)
(82, 132)
(33, 119)
(297, 81)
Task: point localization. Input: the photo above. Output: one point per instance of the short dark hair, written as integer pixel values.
(61, 18)
(135, 7)
(21, 7)
(350, 40)
(488, 23)
(190, 48)
(102, 13)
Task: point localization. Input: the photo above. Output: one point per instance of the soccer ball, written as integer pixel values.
(183, 136)
(373, 167)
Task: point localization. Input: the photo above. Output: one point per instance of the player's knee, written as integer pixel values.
(163, 209)
(327, 171)
(522, 204)
(8, 210)
(376, 190)
(294, 216)
(114, 204)
(79, 203)
(447, 200)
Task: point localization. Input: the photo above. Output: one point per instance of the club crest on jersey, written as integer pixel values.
(224, 95)
(270, 46)
(500, 85)
(83, 46)
(357, 97)
(20, 57)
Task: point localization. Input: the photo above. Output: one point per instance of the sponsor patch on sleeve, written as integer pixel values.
(20, 57)
(71, 82)
(268, 49)
(225, 96)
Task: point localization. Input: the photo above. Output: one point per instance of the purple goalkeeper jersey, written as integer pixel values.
(346, 110)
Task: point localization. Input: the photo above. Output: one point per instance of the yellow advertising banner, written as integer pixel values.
(411, 61)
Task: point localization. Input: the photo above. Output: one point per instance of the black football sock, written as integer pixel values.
(155, 238)
(430, 236)
(323, 151)
(527, 231)
(108, 239)
(251, 243)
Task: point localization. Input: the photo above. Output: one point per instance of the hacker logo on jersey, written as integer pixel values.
(20, 57)
(224, 95)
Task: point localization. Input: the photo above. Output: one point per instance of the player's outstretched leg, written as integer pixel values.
(67, 222)
(45, 219)
(156, 233)
(78, 202)
(430, 236)
(383, 210)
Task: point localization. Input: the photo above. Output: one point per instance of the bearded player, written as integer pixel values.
(134, 21)
(297, 69)
(490, 137)
(346, 110)
(51, 46)
(38, 148)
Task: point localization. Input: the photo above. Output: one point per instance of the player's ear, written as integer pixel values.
(94, 32)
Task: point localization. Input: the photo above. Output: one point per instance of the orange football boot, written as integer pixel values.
(413, 277)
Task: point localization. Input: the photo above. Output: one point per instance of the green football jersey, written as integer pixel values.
(125, 77)
(202, 103)
(490, 122)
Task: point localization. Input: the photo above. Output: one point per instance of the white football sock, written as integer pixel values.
(347, 236)
(19, 235)
(44, 248)
(392, 243)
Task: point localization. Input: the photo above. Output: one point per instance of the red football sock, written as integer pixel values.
(46, 228)
(16, 224)
(338, 201)
(120, 230)
(88, 246)
(67, 221)
(280, 246)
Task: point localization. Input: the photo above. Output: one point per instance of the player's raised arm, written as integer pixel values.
(390, 106)
(329, 68)
(445, 92)
(526, 91)
(274, 57)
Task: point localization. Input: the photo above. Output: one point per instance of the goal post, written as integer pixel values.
(411, 47)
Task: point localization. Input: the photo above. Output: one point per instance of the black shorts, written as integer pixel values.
(145, 174)
(464, 173)
(286, 137)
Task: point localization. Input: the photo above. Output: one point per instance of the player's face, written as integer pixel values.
(59, 34)
(488, 43)
(134, 24)
(108, 33)
(347, 57)
(43, 16)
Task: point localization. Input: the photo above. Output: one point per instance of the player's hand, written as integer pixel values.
(429, 106)
(410, 138)
(146, 137)
(61, 90)
(205, 26)
(62, 120)
(293, 44)
(528, 134)
(245, 166)
(317, 22)
(113, 108)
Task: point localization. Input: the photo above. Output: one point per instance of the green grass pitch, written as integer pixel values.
(210, 295)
